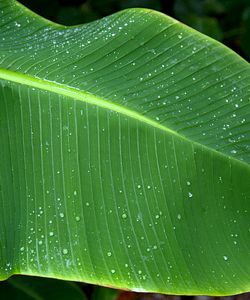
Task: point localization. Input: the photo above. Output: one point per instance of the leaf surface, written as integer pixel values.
(124, 154)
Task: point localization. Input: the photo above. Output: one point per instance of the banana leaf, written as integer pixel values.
(125, 152)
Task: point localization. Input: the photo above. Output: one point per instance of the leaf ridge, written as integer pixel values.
(87, 97)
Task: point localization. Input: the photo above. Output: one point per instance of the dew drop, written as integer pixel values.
(65, 251)
(124, 216)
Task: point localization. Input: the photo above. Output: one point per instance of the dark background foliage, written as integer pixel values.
(225, 20)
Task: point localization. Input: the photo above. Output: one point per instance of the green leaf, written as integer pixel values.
(102, 293)
(124, 154)
(22, 287)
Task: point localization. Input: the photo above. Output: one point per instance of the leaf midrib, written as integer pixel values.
(84, 96)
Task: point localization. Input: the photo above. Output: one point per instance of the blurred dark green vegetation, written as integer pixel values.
(225, 20)
(35, 288)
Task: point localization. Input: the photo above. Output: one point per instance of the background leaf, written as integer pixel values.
(101, 293)
(23, 287)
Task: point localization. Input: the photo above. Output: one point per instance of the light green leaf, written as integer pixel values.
(30, 288)
(125, 151)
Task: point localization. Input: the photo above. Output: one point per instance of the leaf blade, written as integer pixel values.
(108, 184)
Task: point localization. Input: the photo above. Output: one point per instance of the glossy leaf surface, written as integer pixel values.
(124, 154)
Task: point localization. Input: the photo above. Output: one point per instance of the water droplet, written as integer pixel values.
(109, 254)
(113, 271)
(65, 251)
(78, 218)
(51, 233)
(61, 215)
(124, 216)
(225, 257)
(190, 195)
(178, 216)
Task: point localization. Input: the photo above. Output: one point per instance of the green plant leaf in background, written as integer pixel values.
(101, 293)
(30, 288)
(124, 154)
